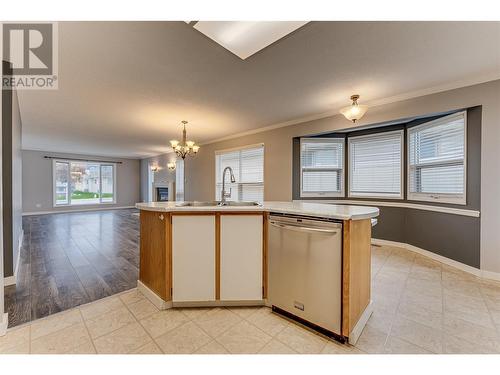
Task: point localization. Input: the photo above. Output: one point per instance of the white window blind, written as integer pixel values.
(248, 168)
(179, 180)
(436, 160)
(375, 165)
(322, 167)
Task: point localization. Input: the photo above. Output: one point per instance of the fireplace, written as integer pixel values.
(163, 192)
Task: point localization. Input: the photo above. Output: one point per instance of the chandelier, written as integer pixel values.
(184, 148)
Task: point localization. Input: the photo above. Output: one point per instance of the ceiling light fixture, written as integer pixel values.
(355, 111)
(184, 148)
(171, 166)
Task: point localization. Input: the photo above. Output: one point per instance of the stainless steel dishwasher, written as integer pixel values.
(305, 270)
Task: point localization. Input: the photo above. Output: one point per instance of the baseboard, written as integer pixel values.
(153, 297)
(358, 328)
(4, 321)
(449, 262)
(76, 210)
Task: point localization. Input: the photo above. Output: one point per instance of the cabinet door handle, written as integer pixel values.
(161, 217)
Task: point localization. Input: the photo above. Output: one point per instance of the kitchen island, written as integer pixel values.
(195, 254)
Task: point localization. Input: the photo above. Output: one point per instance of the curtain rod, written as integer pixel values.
(71, 159)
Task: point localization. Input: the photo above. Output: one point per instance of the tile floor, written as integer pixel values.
(421, 307)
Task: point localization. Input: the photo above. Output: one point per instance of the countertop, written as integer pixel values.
(323, 210)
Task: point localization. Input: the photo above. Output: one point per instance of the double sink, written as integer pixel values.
(217, 204)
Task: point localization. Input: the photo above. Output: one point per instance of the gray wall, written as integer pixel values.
(458, 237)
(11, 179)
(37, 182)
(200, 171)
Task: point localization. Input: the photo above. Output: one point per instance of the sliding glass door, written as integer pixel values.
(83, 183)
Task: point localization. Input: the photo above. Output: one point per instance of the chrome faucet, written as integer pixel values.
(224, 194)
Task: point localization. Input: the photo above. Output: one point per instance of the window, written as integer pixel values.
(248, 168)
(179, 180)
(375, 163)
(321, 167)
(81, 183)
(436, 160)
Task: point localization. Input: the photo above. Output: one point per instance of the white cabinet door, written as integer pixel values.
(193, 258)
(241, 257)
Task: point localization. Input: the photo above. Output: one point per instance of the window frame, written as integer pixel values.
(234, 149)
(327, 194)
(402, 165)
(69, 161)
(449, 198)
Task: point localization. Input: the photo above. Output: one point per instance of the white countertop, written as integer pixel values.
(330, 211)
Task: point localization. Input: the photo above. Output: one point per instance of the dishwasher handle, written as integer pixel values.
(300, 228)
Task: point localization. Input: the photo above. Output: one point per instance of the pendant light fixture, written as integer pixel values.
(184, 148)
(355, 111)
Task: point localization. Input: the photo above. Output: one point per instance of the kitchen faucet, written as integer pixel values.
(225, 194)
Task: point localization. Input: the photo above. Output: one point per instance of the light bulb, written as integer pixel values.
(174, 143)
(196, 149)
(189, 144)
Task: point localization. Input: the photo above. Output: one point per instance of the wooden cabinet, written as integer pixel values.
(154, 255)
(241, 256)
(193, 258)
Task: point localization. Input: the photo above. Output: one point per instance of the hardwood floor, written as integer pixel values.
(69, 259)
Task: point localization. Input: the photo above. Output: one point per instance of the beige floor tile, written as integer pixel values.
(213, 347)
(464, 287)
(269, 322)
(123, 340)
(85, 348)
(428, 301)
(20, 349)
(417, 334)
(217, 321)
(55, 323)
(333, 347)
(421, 314)
(142, 309)
(149, 348)
(454, 274)
(243, 338)
(372, 340)
(471, 332)
(244, 312)
(276, 347)
(431, 288)
(456, 345)
(395, 345)
(17, 337)
(97, 308)
(109, 322)
(301, 340)
(61, 341)
(183, 340)
(381, 319)
(132, 296)
(163, 321)
(424, 273)
(195, 312)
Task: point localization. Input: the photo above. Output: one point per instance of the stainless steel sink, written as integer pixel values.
(216, 203)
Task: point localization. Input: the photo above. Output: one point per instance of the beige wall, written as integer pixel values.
(37, 182)
(200, 171)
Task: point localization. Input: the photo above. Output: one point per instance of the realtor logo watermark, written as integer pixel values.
(31, 50)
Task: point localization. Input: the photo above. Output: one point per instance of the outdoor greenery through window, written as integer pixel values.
(248, 168)
(81, 183)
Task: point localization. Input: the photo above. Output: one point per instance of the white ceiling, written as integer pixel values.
(124, 87)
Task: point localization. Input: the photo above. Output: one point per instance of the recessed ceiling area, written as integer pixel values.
(124, 87)
(245, 38)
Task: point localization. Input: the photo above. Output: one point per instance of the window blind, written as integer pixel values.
(322, 166)
(248, 168)
(375, 165)
(436, 159)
